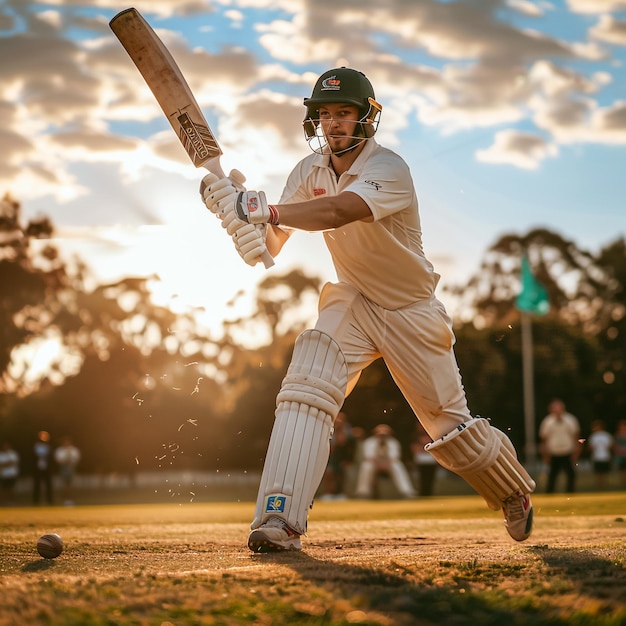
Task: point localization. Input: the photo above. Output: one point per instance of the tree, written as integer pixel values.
(579, 346)
(255, 374)
(122, 375)
(580, 288)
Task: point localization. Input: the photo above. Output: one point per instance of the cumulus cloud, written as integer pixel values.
(596, 6)
(525, 150)
(454, 66)
(534, 9)
(610, 30)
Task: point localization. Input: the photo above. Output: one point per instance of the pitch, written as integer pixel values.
(445, 560)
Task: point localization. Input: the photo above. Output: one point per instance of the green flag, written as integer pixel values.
(533, 297)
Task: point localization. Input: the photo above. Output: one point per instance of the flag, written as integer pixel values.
(533, 297)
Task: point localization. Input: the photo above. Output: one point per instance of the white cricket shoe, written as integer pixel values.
(518, 516)
(274, 536)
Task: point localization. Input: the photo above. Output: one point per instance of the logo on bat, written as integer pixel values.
(192, 133)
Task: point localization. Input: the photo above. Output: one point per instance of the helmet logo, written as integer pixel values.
(332, 83)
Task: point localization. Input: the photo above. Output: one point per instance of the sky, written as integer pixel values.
(511, 115)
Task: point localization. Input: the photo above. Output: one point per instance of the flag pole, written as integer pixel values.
(533, 299)
(528, 383)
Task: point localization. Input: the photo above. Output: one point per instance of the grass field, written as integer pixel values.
(444, 561)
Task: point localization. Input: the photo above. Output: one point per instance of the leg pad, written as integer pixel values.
(485, 457)
(310, 397)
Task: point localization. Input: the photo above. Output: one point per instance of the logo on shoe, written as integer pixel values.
(275, 504)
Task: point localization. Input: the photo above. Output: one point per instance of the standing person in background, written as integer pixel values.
(42, 476)
(342, 450)
(9, 472)
(67, 456)
(361, 196)
(559, 434)
(619, 451)
(600, 444)
(382, 455)
(424, 463)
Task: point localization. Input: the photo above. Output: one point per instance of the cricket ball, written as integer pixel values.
(50, 545)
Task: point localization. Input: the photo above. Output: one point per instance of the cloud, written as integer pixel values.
(68, 101)
(596, 6)
(610, 30)
(534, 9)
(583, 121)
(524, 150)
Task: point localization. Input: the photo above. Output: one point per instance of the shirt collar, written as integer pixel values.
(323, 160)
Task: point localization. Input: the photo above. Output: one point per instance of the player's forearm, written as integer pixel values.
(275, 239)
(324, 213)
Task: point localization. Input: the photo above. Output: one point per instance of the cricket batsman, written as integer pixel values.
(361, 196)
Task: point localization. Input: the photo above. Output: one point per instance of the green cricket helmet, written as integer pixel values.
(343, 85)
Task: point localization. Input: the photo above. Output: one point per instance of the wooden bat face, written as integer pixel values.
(169, 87)
(167, 83)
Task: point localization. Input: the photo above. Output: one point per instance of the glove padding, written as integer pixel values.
(219, 195)
(252, 207)
(249, 239)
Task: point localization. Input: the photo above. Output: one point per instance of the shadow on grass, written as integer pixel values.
(595, 576)
(476, 592)
(41, 565)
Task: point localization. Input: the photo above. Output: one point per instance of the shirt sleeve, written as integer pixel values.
(385, 184)
(295, 190)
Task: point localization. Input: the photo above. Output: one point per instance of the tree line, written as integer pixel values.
(139, 387)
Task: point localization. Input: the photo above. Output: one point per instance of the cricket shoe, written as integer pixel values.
(274, 536)
(518, 516)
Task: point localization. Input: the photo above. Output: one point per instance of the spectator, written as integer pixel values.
(600, 444)
(424, 462)
(619, 451)
(382, 455)
(9, 471)
(43, 468)
(342, 449)
(559, 433)
(67, 457)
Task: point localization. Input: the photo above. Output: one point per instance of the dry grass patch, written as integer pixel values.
(446, 561)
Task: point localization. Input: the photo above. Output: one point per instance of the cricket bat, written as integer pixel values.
(169, 87)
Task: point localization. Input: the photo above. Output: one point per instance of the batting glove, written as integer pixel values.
(249, 239)
(252, 207)
(249, 242)
(219, 193)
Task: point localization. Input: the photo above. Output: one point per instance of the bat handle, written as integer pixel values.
(214, 166)
(267, 259)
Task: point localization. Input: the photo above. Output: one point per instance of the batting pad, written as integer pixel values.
(310, 397)
(485, 457)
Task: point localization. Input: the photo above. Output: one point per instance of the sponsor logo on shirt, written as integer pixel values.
(319, 192)
(374, 184)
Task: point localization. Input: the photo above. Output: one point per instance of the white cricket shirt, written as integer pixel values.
(383, 258)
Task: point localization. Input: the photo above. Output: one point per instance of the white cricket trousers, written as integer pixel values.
(416, 342)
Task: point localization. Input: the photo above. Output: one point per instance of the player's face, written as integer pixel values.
(339, 123)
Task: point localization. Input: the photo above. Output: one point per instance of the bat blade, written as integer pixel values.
(169, 87)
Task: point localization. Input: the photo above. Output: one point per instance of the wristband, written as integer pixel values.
(274, 215)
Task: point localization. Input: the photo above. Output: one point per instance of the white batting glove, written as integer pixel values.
(219, 195)
(216, 192)
(252, 207)
(249, 239)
